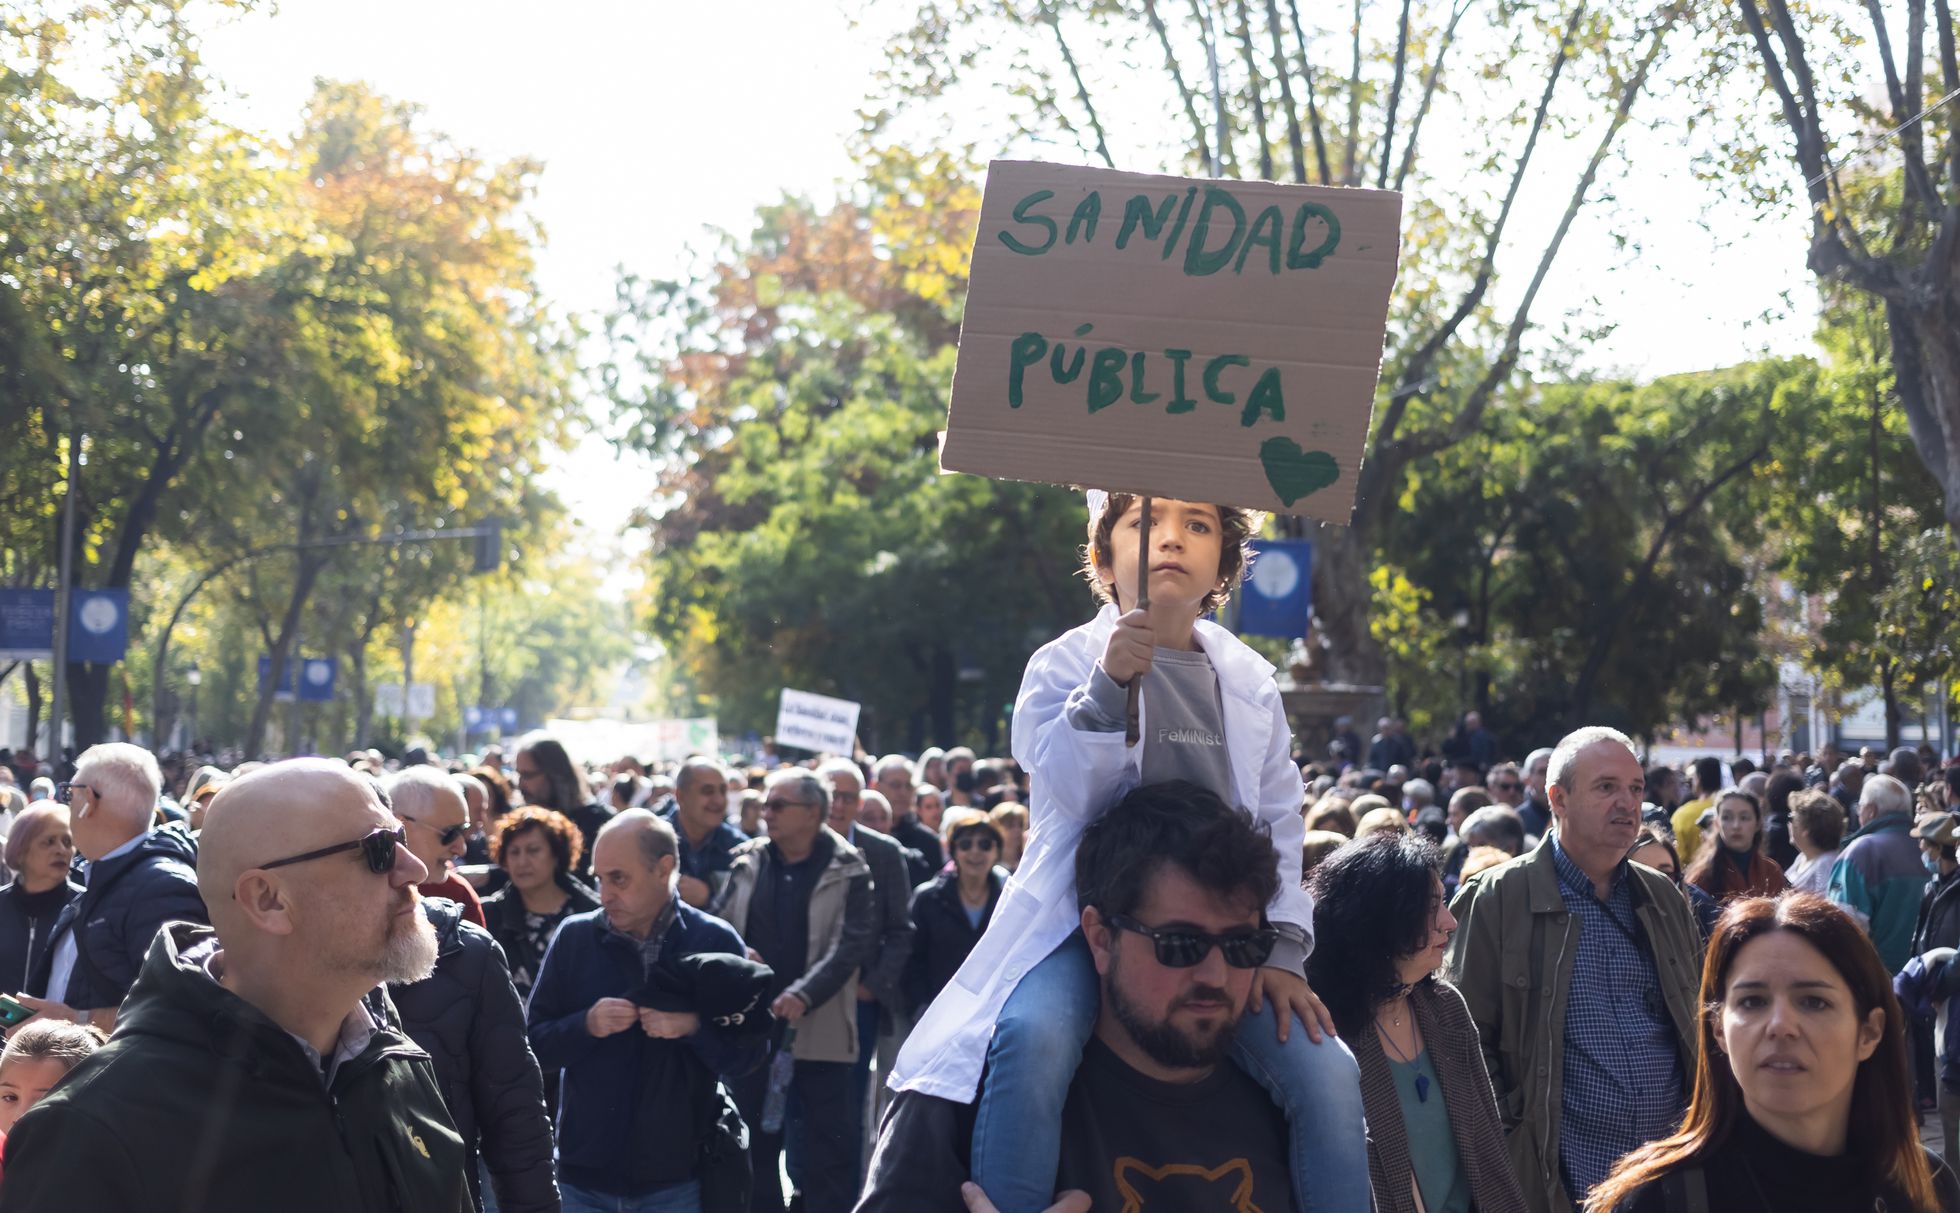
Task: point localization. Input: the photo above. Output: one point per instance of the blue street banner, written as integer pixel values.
(26, 624)
(284, 691)
(507, 719)
(98, 625)
(1277, 597)
(316, 678)
(472, 718)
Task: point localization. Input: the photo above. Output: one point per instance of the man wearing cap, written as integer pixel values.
(1938, 926)
(639, 1102)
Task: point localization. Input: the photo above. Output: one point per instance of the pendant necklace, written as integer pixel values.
(1422, 1080)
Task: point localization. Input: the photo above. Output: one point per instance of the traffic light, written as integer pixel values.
(490, 547)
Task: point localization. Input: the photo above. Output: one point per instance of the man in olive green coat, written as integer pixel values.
(256, 1063)
(1581, 971)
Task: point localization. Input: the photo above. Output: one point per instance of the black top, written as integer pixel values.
(779, 918)
(26, 925)
(1753, 1171)
(1131, 1141)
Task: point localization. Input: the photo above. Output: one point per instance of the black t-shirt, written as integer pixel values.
(1132, 1142)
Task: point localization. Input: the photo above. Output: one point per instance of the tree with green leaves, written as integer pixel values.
(1460, 106)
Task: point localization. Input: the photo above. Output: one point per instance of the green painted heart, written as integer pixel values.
(1295, 473)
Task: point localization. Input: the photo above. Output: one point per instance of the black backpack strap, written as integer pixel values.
(1685, 1190)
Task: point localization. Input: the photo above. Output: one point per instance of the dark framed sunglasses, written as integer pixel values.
(378, 849)
(975, 842)
(64, 793)
(1183, 949)
(446, 837)
(1506, 787)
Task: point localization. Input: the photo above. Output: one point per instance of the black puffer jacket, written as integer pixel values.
(466, 1014)
(127, 901)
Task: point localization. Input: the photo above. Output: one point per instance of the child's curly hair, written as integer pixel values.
(1234, 553)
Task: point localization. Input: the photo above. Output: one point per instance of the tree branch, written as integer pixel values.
(1394, 95)
(1285, 79)
(1430, 80)
(1184, 92)
(1253, 89)
(1350, 165)
(1306, 85)
(1081, 89)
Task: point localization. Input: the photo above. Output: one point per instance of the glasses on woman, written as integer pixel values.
(972, 843)
(1179, 949)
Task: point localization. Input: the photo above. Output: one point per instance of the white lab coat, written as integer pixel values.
(1076, 777)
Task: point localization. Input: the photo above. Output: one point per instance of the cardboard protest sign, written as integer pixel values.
(1213, 341)
(816, 722)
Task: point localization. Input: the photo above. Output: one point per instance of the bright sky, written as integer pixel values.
(659, 119)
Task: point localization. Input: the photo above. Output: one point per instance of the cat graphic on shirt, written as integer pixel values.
(1173, 1184)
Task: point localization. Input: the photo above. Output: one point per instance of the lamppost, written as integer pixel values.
(194, 676)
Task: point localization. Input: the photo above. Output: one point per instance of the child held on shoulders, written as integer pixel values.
(1026, 1001)
(39, 1055)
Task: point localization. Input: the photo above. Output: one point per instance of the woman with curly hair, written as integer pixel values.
(537, 849)
(1802, 1094)
(1381, 926)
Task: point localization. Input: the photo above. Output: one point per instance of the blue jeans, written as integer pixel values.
(1037, 1045)
(678, 1198)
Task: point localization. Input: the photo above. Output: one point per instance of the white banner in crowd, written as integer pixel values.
(603, 742)
(810, 721)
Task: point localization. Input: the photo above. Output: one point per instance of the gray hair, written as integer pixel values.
(696, 762)
(1419, 792)
(841, 766)
(412, 791)
(1887, 794)
(655, 836)
(1573, 743)
(125, 776)
(1494, 825)
(892, 762)
(809, 789)
(1532, 759)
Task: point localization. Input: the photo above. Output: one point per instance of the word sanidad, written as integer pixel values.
(1220, 235)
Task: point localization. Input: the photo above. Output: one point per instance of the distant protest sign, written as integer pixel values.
(1205, 340)
(817, 722)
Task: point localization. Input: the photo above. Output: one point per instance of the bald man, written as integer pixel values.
(257, 1065)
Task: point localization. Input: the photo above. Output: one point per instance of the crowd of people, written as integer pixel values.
(1158, 958)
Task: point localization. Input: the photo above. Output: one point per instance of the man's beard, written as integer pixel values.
(1164, 1043)
(409, 952)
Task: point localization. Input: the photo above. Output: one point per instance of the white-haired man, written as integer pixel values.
(1580, 971)
(429, 803)
(1879, 876)
(138, 879)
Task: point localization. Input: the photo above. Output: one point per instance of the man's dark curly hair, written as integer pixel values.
(1372, 904)
(1234, 552)
(1180, 823)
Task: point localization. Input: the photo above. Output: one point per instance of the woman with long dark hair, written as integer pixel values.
(1381, 926)
(1802, 1095)
(547, 778)
(1733, 863)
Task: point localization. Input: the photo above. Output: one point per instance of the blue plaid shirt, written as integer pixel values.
(1623, 1081)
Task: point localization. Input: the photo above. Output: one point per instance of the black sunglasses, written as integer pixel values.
(64, 793)
(1182, 949)
(377, 848)
(972, 842)
(446, 837)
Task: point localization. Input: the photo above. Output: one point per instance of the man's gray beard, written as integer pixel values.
(1160, 1041)
(410, 953)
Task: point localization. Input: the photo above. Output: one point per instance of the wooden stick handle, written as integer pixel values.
(1133, 727)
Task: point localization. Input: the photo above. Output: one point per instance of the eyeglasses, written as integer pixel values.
(64, 793)
(1183, 949)
(1506, 787)
(973, 843)
(377, 848)
(446, 837)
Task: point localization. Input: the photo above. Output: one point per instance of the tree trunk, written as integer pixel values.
(33, 708)
(310, 565)
(1887, 682)
(943, 679)
(1342, 599)
(88, 705)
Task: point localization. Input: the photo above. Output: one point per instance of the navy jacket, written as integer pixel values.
(467, 1016)
(26, 924)
(127, 901)
(634, 1113)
